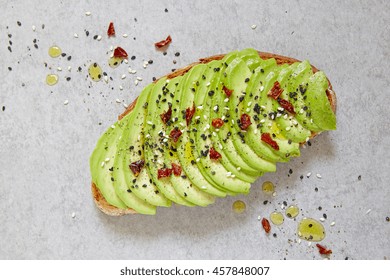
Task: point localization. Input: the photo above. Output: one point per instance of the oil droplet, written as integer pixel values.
(292, 211)
(55, 51)
(311, 230)
(115, 61)
(276, 218)
(268, 187)
(51, 79)
(239, 206)
(95, 72)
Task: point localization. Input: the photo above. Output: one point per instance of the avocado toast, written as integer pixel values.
(209, 130)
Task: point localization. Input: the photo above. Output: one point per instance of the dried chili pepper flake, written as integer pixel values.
(217, 123)
(176, 169)
(165, 117)
(286, 105)
(266, 137)
(163, 43)
(266, 225)
(214, 154)
(137, 166)
(189, 114)
(111, 30)
(164, 172)
(245, 121)
(175, 134)
(119, 52)
(227, 91)
(275, 91)
(323, 250)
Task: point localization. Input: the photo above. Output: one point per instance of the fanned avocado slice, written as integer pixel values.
(153, 150)
(211, 168)
(166, 146)
(184, 148)
(131, 180)
(101, 162)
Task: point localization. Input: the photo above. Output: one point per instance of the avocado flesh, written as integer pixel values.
(152, 146)
(128, 186)
(166, 150)
(213, 170)
(185, 149)
(236, 74)
(100, 168)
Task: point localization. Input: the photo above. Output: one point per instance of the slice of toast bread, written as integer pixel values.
(108, 209)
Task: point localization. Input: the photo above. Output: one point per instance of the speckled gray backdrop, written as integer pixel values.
(45, 145)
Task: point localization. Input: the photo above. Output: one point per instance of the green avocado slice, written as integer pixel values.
(184, 148)
(168, 156)
(153, 147)
(212, 169)
(100, 163)
(129, 187)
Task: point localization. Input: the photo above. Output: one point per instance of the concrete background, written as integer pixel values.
(45, 145)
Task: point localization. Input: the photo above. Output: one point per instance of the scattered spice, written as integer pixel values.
(323, 250)
(164, 172)
(287, 106)
(176, 169)
(227, 91)
(175, 134)
(275, 91)
(266, 225)
(214, 154)
(166, 116)
(189, 114)
(245, 121)
(119, 52)
(163, 43)
(111, 30)
(217, 123)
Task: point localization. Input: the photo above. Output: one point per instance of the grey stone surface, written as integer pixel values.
(45, 145)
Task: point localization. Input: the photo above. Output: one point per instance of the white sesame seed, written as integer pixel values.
(308, 174)
(368, 211)
(99, 38)
(288, 128)
(66, 102)
(233, 176)
(165, 140)
(322, 219)
(75, 35)
(198, 159)
(256, 131)
(301, 111)
(123, 76)
(238, 168)
(129, 70)
(197, 117)
(217, 129)
(139, 78)
(112, 126)
(159, 161)
(118, 101)
(309, 243)
(299, 241)
(105, 78)
(136, 82)
(34, 28)
(205, 117)
(262, 121)
(139, 137)
(248, 110)
(220, 146)
(148, 136)
(207, 126)
(319, 176)
(249, 103)
(228, 174)
(258, 218)
(227, 108)
(102, 164)
(125, 35)
(146, 62)
(280, 109)
(261, 88)
(294, 122)
(332, 224)
(200, 107)
(126, 61)
(214, 134)
(223, 117)
(263, 107)
(59, 69)
(203, 187)
(274, 194)
(215, 107)
(107, 160)
(73, 215)
(208, 84)
(253, 26)
(285, 116)
(120, 87)
(307, 139)
(87, 13)
(125, 105)
(149, 123)
(144, 66)
(69, 68)
(226, 100)
(278, 115)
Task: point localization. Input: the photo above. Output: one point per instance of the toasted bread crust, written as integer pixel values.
(108, 209)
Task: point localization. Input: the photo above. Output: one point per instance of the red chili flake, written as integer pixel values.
(214, 154)
(217, 123)
(266, 137)
(136, 167)
(165, 117)
(111, 30)
(176, 169)
(227, 91)
(119, 52)
(163, 43)
(189, 114)
(323, 250)
(245, 121)
(266, 225)
(175, 134)
(275, 91)
(164, 172)
(286, 105)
